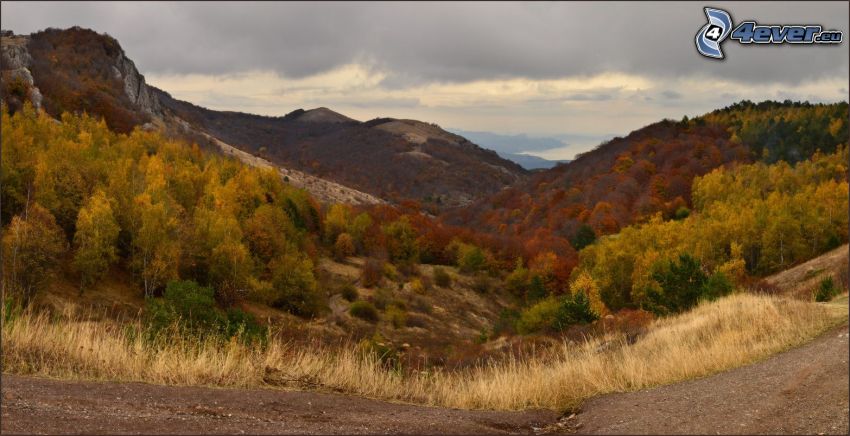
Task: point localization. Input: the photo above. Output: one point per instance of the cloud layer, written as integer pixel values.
(509, 67)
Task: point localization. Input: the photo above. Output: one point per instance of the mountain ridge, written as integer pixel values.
(399, 161)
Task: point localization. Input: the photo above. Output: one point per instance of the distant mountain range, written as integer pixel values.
(530, 162)
(526, 150)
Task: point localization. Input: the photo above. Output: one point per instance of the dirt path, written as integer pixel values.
(802, 391)
(34, 405)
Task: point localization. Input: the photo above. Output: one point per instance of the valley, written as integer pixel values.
(221, 271)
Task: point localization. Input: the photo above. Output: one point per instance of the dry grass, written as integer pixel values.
(731, 332)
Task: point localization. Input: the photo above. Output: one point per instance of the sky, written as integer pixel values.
(577, 72)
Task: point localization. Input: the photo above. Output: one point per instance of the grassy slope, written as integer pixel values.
(731, 332)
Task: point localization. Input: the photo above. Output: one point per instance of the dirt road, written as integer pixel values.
(33, 405)
(802, 391)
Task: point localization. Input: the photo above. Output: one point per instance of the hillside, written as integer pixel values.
(79, 70)
(393, 159)
(628, 180)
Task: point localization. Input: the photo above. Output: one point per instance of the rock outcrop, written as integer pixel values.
(15, 76)
(135, 86)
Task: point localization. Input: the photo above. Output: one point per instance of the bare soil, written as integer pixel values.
(35, 405)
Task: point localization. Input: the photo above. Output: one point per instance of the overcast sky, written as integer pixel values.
(542, 69)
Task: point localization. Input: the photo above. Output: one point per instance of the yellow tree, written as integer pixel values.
(156, 244)
(94, 240)
(32, 247)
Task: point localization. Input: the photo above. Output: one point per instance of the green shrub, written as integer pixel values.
(682, 285)
(826, 290)
(574, 310)
(391, 272)
(242, 325)
(583, 237)
(718, 285)
(382, 298)
(364, 310)
(417, 286)
(187, 303)
(471, 258)
(442, 278)
(295, 288)
(538, 317)
(536, 290)
(192, 309)
(556, 314)
(349, 292)
(397, 316)
(517, 281)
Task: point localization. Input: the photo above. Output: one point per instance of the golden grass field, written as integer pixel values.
(717, 336)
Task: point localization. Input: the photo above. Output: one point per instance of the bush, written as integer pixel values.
(242, 325)
(536, 290)
(574, 310)
(583, 237)
(364, 310)
(718, 285)
(188, 303)
(442, 278)
(556, 314)
(192, 309)
(826, 290)
(517, 281)
(391, 272)
(539, 317)
(344, 247)
(471, 259)
(417, 286)
(349, 292)
(397, 316)
(401, 242)
(682, 284)
(372, 272)
(381, 298)
(295, 288)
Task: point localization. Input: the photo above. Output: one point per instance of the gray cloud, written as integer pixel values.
(671, 95)
(425, 42)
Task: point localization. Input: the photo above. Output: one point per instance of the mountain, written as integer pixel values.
(530, 162)
(79, 70)
(393, 159)
(629, 179)
(521, 148)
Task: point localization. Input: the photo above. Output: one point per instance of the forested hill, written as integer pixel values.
(79, 70)
(628, 180)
